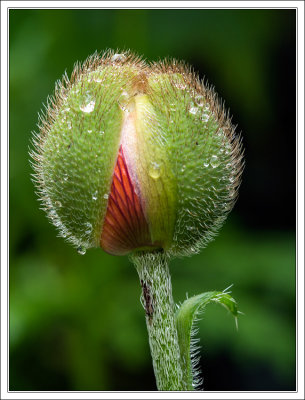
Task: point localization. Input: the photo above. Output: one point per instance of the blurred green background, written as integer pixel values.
(76, 322)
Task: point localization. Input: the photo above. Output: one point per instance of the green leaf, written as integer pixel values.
(186, 315)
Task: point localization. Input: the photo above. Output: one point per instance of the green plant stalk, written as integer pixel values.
(159, 306)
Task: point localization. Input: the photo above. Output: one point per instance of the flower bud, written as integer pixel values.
(133, 156)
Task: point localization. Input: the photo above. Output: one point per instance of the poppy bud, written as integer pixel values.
(133, 156)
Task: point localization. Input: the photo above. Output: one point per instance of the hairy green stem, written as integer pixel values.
(158, 303)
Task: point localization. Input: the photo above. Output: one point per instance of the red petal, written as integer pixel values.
(125, 227)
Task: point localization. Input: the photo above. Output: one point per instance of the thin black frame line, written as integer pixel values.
(296, 264)
(150, 391)
(152, 8)
(297, 225)
(8, 188)
(162, 1)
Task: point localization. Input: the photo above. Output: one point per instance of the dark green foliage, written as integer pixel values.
(63, 336)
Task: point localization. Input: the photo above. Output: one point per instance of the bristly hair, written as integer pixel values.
(48, 115)
(196, 87)
(170, 67)
(195, 348)
(95, 61)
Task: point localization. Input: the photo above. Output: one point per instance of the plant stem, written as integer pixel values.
(158, 303)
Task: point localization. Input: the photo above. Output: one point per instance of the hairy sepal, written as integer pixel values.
(186, 316)
(77, 146)
(156, 181)
(203, 151)
(181, 150)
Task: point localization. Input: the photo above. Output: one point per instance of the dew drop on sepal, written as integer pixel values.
(199, 100)
(88, 227)
(52, 214)
(229, 165)
(123, 101)
(88, 105)
(214, 161)
(81, 250)
(193, 110)
(118, 57)
(180, 86)
(154, 170)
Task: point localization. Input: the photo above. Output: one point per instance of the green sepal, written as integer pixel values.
(79, 151)
(185, 317)
(156, 180)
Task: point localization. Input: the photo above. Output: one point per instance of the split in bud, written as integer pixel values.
(125, 227)
(133, 157)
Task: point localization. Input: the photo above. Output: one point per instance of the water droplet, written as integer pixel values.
(229, 165)
(214, 161)
(180, 86)
(94, 196)
(205, 117)
(123, 100)
(101, 133)
(172, 107)
(88, 227)
(106, 196)
(154, 170)
(69, 124)
(58, 204)
(118, 58)
(98, 80)
(89, 130)
(52, 214)
(193, 110)
(124, 95)
(81, 250)
(183, 168)
(199, 100)
(67, 109)
(231, 179)
(65, 177)
(206, 164)
(88, 105)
